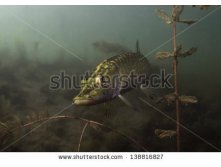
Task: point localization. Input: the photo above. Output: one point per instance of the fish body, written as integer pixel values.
(112, 77)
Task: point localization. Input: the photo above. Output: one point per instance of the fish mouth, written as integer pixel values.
(83, 102)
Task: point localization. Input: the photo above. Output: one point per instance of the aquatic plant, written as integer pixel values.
(177, 53)
(7, 130)
(10, 130)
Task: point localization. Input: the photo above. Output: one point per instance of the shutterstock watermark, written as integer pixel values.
(124, 81)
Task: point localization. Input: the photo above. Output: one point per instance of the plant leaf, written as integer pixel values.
(164, 55)
(189, 22)
(176, 12)
(164, 133)
(188, 52)
(170, 98)
(163, 15)
(188, 99)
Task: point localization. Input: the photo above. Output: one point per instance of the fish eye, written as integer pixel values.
(98, 80)
(101, 81)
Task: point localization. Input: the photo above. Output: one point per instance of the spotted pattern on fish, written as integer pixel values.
(122, 64)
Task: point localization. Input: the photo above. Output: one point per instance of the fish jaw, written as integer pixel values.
(83, 102)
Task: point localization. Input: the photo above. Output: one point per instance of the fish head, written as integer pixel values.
(100, 86)
(93, 91)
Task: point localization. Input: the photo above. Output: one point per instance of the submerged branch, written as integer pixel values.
(3, 125)
(82, 133)
(89, 122)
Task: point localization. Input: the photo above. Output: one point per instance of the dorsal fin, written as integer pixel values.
(137, 47)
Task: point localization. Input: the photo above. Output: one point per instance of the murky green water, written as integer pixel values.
(38, 41)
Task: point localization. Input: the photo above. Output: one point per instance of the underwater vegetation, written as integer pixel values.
(175, 97)
(29, 110)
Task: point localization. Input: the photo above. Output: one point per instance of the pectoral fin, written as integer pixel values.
(125, 101)
(128, 103)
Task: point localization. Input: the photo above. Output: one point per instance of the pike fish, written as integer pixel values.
(96, 89)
